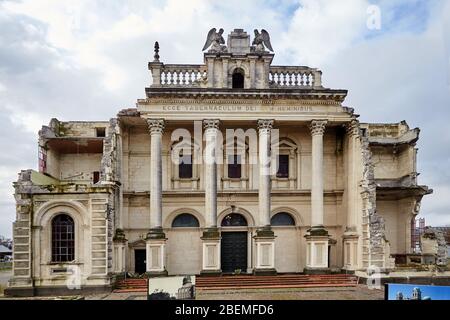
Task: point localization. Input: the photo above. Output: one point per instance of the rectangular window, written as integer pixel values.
(100, 132)
(283, 166)
(95, 176)
(234, 166)
(185, 167)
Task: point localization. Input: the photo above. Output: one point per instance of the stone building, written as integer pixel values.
(234, 165)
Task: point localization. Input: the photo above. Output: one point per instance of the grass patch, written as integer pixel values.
(2, 288)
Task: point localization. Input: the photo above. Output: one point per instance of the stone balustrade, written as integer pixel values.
(180, 75)
(294, 77)
(195, 75)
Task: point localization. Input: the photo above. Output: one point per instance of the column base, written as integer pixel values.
(350, 248)
(156, 254)
(265, 251)
(155, 233)
(211, 264)
(265, 232)
(264, 272)
(319, 231)
(119, 253)
(317, 241)
(211, 233)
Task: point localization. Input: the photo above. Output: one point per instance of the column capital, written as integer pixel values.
(265, 124)
(211, 124)
(156, 125)
(317, 127)
(352, 128)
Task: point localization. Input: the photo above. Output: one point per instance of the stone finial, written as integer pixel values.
(318, 127)
(211, 124)
(156, 55)
(156, 126)
(264, 124)
(352, 128)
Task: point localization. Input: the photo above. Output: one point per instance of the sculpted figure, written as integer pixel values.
(215, 40)
(262, 39)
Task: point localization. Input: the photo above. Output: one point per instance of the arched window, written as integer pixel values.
(63, 238)
(185, 220)
(238, 79)
(282, 219)
(234, 220)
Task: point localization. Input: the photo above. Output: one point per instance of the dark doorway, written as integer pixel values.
(234, 251)
(329, 256)
(238, 79)
(139, 261)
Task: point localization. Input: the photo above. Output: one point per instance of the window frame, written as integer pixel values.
(57, 239)
(181, 216)
(235, 166)
(286, 214)
(283, 175)
(234, 81)
(187, 166)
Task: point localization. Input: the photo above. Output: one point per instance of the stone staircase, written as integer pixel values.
(251, 282)
(275, 282)
(131, 285)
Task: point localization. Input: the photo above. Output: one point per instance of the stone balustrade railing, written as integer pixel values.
(196, 75)
(294, 77)
(179, 75)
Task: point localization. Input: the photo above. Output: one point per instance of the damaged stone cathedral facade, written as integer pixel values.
(135, 195)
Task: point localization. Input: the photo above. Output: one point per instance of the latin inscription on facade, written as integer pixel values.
(219, 108)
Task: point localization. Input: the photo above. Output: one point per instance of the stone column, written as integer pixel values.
(317, 131)
(317, 237)
(211, 235)
(350, 235)
(211, 127)
(264, 238)
(156, 239)
(264, 129)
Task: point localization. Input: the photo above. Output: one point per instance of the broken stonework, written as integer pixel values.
(130, 112)
(433, 240)
(377, 241)
(109, 171)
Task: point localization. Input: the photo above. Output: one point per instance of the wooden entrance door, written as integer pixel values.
(234, 251)
(139, 261)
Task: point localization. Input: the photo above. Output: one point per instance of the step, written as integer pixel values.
(277, 286)
(130, 290)
(225, 278)
(274, 280)
(274, 283)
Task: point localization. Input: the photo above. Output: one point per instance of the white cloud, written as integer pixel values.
(320, 29)
(85, 60)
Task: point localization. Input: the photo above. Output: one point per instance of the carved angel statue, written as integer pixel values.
(261, 39)
(215, 40)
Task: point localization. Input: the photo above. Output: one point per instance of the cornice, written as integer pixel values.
(231, 101)
(338, 96)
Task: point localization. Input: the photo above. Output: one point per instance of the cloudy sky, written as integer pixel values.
(86, 59)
